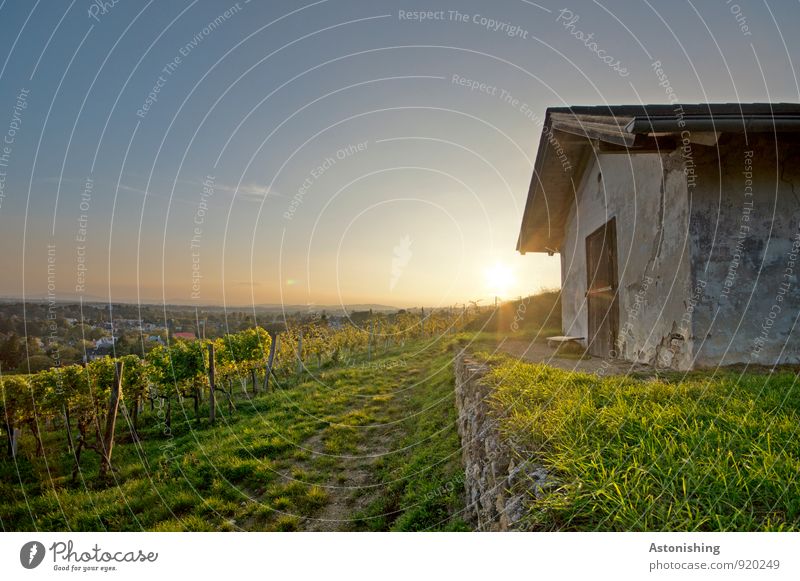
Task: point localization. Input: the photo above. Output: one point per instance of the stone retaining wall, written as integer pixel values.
(499, 479)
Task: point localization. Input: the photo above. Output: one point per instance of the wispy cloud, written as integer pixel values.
(250, 192)
(247, 192)
(127, 188)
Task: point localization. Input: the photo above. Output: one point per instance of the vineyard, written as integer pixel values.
(115, 430)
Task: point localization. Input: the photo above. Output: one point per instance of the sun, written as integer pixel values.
(499, 279)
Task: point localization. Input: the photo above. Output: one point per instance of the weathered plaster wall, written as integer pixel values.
(497, 482)
(647, 194)
(744, 248)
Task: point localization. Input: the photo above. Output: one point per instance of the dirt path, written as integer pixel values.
(353, 482)
(352, 485)
(367, 433)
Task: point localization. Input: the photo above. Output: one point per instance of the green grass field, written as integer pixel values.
(371, 445)
(706, 452)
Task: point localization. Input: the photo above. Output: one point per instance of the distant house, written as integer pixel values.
(678, 228)
(336, 322)
(155, 339)
(92, 354)
(184, 335)
(105, 342)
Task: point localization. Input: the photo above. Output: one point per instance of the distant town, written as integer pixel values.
(40, 335)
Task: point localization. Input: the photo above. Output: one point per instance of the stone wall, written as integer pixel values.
(499, 478)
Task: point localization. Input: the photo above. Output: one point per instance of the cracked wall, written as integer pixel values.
(647, 194)
(745, 215)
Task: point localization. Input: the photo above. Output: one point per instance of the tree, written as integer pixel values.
(111, 419)
(240, 354)
(159, 372)
(188, 369)
(89, 393)
(178, 371)
(33, 405)
(66, 386)
(35, 364)
(13, 390)
(225, 366)
(63, 355)
(11, 352)
(135, 379)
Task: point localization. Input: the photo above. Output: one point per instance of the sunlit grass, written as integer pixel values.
(424, 478)
(706, 452)
(255, 470)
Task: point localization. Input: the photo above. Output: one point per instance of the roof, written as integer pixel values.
(570, 135)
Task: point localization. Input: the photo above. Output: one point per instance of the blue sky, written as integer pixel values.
(348, 160)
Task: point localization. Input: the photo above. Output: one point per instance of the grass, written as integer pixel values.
(531, 318)
(705, 452)
(423, 481)
(280, 462)
(375, 447)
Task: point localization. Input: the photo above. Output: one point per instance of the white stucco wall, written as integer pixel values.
(647, 194)
(745, 228)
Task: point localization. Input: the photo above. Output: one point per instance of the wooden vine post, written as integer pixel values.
(15, 435)
(212, 398)
(274, 333)
(68, 426)
(300, 353)
(134, 420)
(111, 420)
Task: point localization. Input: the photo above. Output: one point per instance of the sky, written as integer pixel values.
(329, 152)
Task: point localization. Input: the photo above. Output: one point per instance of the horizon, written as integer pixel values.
(95, 301)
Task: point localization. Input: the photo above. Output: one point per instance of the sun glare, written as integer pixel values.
(499, 279)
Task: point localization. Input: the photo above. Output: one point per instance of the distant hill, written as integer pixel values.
(264, 308)
(331, 309)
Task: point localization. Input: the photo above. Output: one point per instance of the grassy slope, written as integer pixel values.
(282, 460)
(374, 447)
(700, 453)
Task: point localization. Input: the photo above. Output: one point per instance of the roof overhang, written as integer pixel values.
(572, 135)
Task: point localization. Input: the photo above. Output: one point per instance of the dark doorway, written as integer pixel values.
(601, 294)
